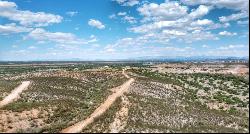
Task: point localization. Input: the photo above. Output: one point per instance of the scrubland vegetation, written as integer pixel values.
(69, 99)
(201, 103)
(60, 96)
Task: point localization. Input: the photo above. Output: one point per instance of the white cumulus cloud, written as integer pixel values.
(234, 17)
(232, 47)
(226, 33)
(129, 19)
(202, 22)
(57, 37)
(96, 23)
(13, 28)
(163, 11)
(27, 18)
(112, 16)
(199, 12)
(121, 13)
(127, 2)
(230, 4)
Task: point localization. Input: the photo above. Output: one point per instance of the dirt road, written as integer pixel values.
(121, 117)
(78, 127)
(15, 93)
(123, 72)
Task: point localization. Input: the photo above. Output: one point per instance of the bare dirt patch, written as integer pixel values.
(28, 121)
(121, 117)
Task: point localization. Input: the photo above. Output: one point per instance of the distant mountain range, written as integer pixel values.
(191, 58)
(158, 58)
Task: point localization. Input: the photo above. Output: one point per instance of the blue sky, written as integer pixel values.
(120, 29)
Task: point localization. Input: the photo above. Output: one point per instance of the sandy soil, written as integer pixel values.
(15, 93)
(239, 70)
(78, 127)
(11, 122)
(121, 117)
(123, 72)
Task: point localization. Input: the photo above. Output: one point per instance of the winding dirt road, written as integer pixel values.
(15, 93)
(78, 127)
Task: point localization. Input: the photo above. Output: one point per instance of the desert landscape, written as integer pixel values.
(124, 97)
(124, 66)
